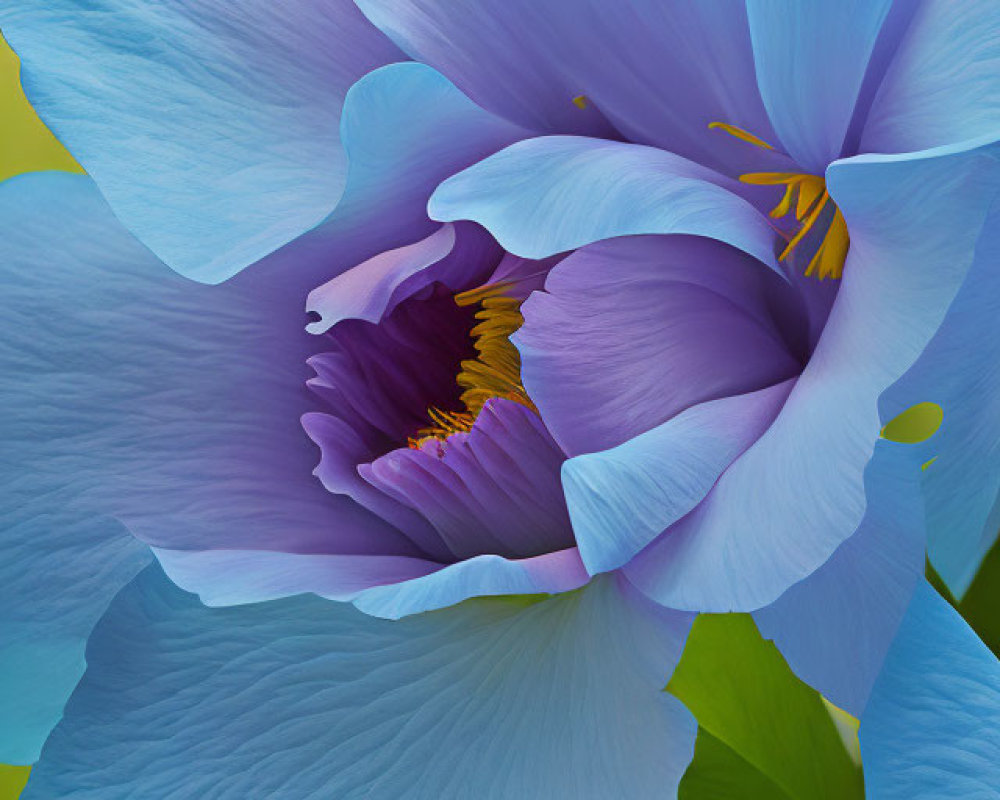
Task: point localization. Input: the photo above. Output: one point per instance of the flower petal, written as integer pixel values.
(555, 193)
(494, 489)
(810, 60)
(834, 628)
(943, 85)
(307, 698)
(659, 72)
(480, 576)
(960, 372)
(932, 726)
(632, 331)
(58, 572)
(915, 222)
(621, 499)
(213, 135)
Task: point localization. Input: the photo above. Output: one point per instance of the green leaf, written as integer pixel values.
(981, 604)
(746, 698)
(12, 781)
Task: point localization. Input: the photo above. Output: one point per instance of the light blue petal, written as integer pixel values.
(480, 576)
(621, 499)
(943, 85)
(212, 134)
(834, 628)
(811, 59)
(310, 699)
(556, 193)
(58, 572)
(960, 371)
(932, 726)
(781, 510)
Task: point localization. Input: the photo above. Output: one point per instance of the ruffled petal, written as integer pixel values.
(835, 627)
(621, 499)
(943, 84)
(307, 698)
(212, 134)
(932, 726)
(480, 576)
(555, 193)
(658, 72)
(810, 60)
(632, 331)
(493, 490)
(915, 223)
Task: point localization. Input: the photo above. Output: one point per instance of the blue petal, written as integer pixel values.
(932, 726)
(212, 134)
(58, 572)
(915, 223)
(811, 60)
(960, 371)
(658, 72)
(943, 85)
(621, 499)
(556, 193)
(834, 628)
(307, 698)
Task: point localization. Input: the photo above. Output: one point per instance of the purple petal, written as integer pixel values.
(632, 331)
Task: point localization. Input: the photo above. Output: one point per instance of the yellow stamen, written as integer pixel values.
(810, 196)
(580, 101)
(741, 134)
(496, 370)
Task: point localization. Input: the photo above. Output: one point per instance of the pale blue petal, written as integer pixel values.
(556, 193)
(58, 572)
(960, 371)
(480, 576)
(811, 59)
(915, 223)
(306, 699)
(834, 628)
(932, 726)
(212, 133)
(621, 499)
(943, 85)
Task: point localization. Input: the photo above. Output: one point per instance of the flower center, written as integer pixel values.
(810, 198)
(496, 370)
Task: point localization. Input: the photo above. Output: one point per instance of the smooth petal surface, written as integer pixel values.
(943, 85)
(552, 194)
(960, 371)
(372, 288)
(835, 627)
(560, 698)
(932, 727)
(658, 72)
(211, 132)
(632, 331)
(235, 577)
(621, 499)
(810, 60)
(479, 576)
(915, 224)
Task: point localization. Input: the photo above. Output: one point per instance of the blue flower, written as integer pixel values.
(568, 330)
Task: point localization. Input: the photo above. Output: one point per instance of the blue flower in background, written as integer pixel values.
(614, 297)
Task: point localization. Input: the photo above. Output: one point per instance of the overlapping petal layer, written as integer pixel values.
(211, 132)
(305, 698)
